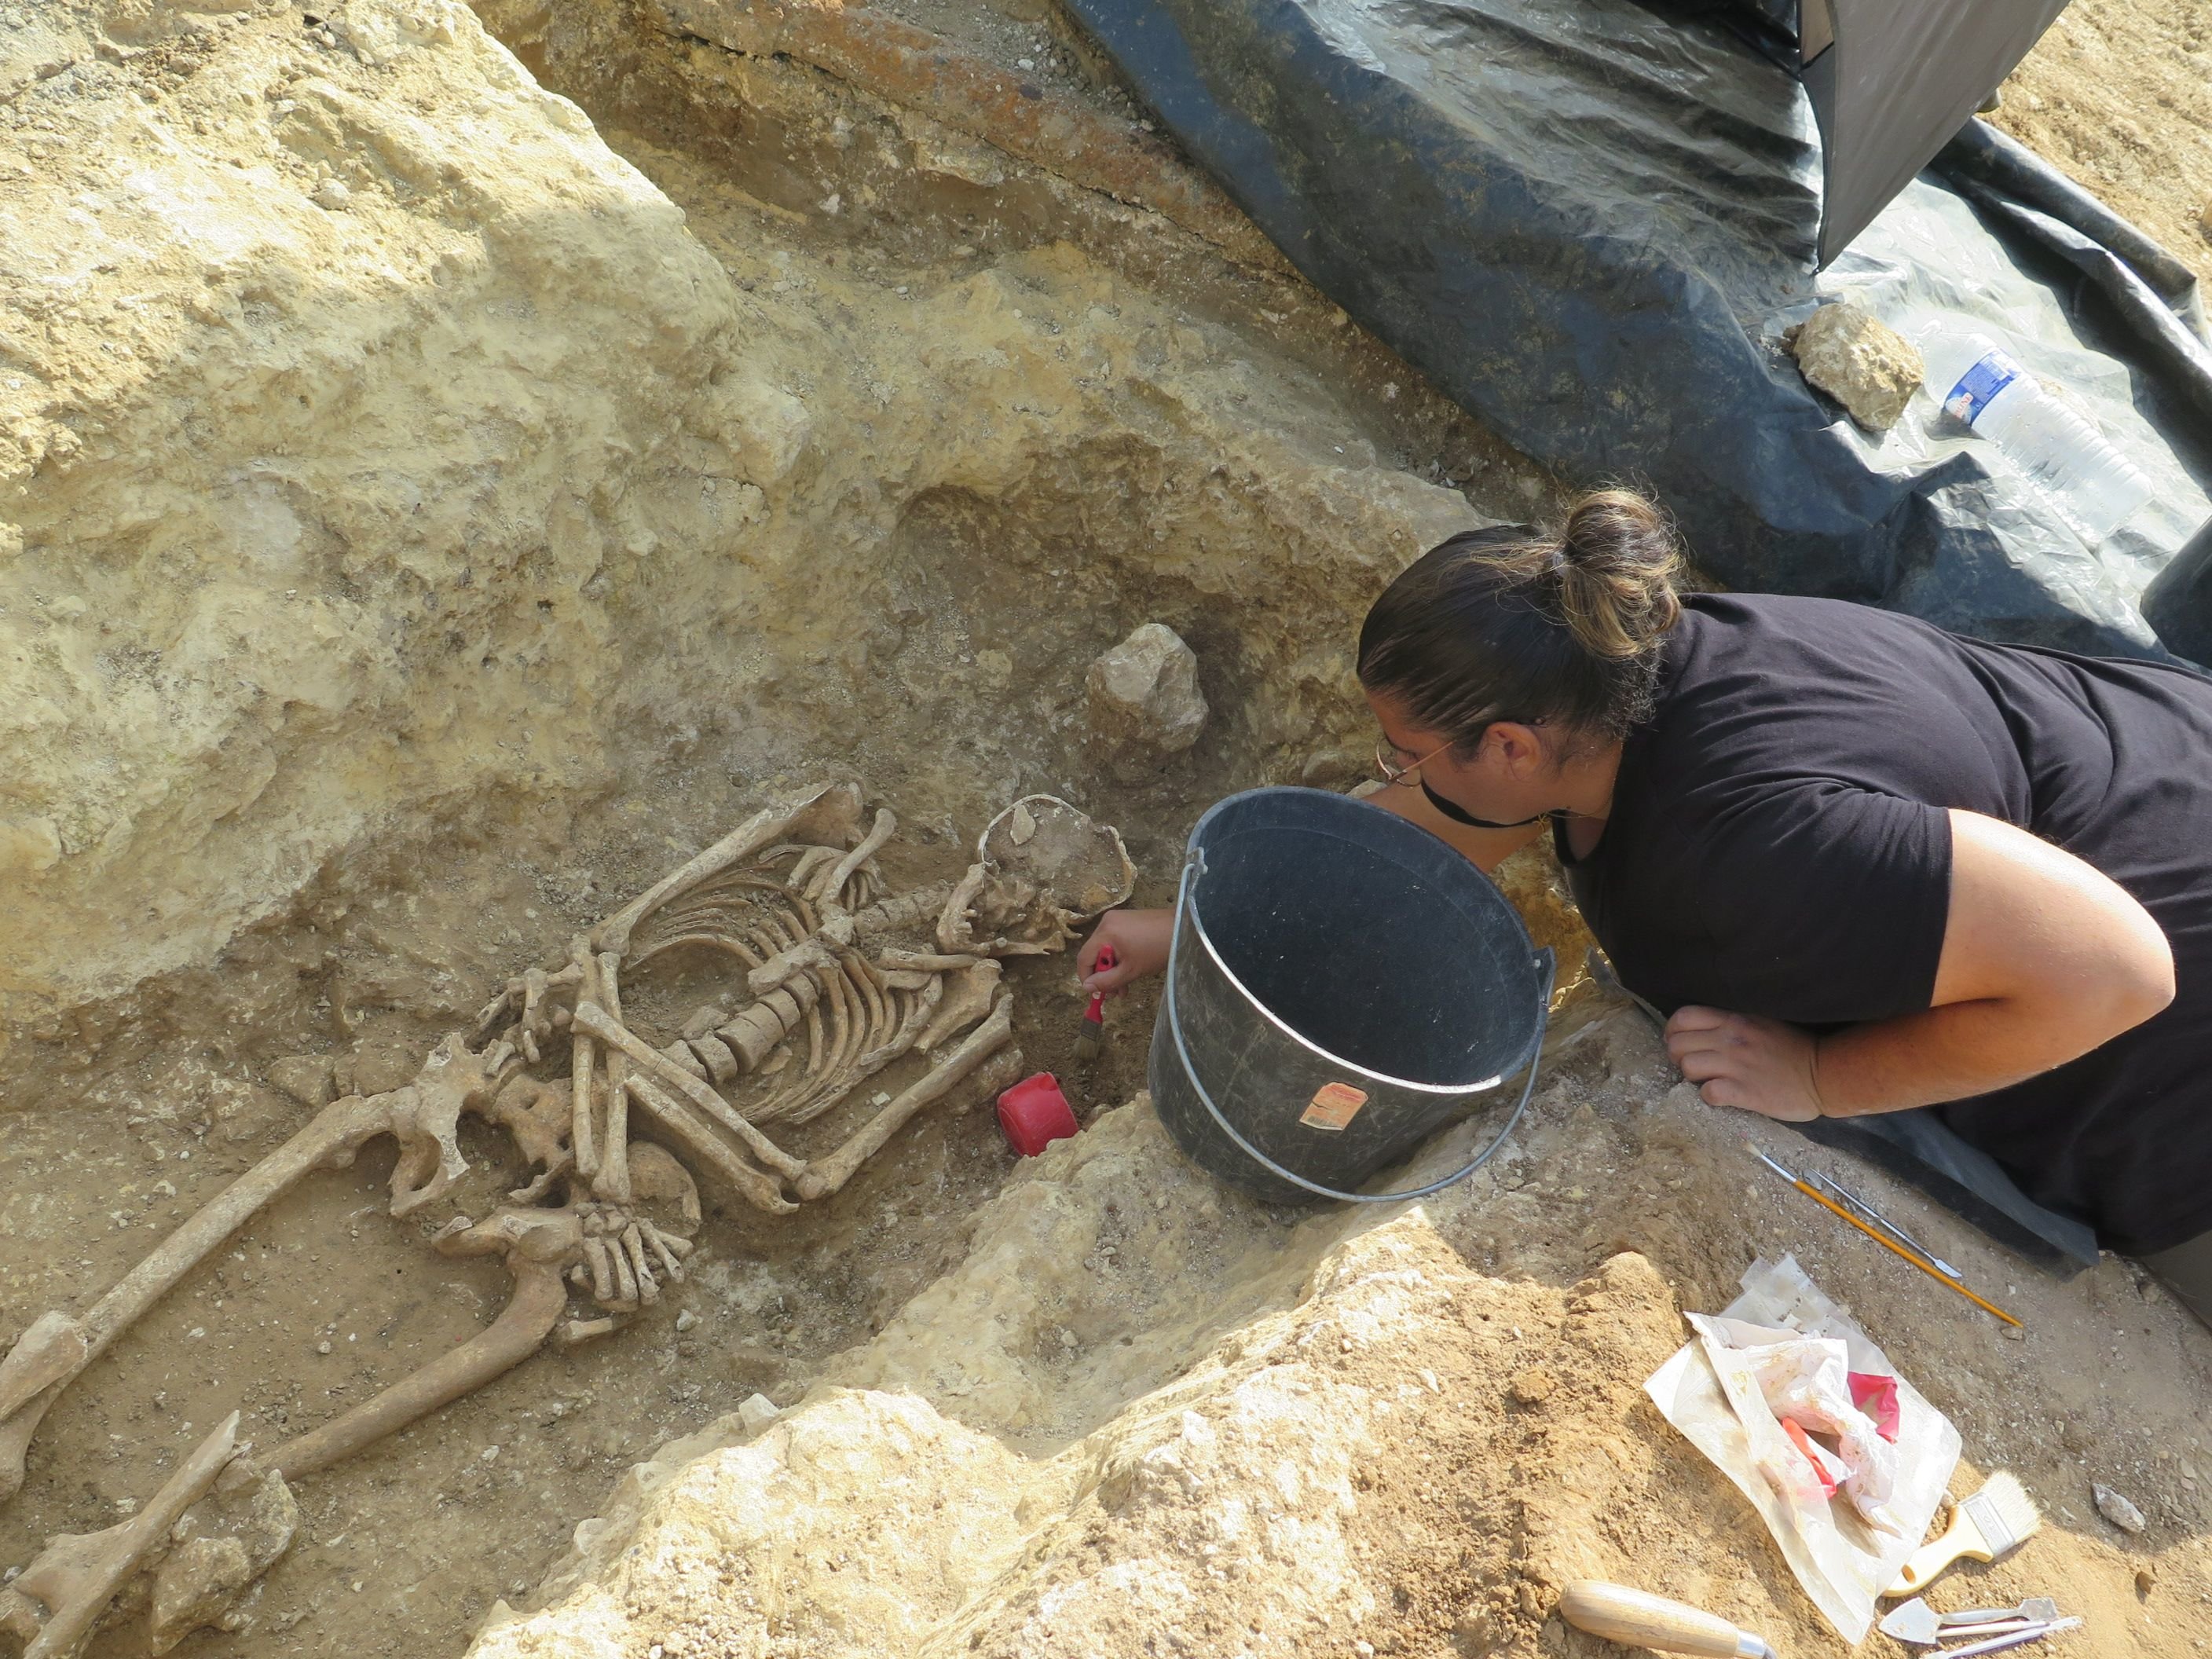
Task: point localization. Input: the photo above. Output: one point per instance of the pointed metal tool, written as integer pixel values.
(1867, 1212)
(1915, 1621)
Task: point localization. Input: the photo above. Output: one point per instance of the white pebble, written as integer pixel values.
(2115, 1508)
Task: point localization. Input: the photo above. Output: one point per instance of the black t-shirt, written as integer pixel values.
(1778, 844)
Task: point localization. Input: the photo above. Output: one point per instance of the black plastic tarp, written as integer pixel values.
(1590, 224)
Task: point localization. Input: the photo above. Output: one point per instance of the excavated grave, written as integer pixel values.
(424, 522)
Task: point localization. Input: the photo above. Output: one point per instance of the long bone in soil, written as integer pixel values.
(833, 977)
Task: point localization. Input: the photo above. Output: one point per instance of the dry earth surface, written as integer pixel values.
(2119, 94)
(430, 508)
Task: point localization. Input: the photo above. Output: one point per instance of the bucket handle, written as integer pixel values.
(1197, 862)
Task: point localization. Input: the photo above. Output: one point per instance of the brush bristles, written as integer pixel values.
(2003, 1513)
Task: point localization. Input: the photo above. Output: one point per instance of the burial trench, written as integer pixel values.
(1014, 417)
(463, 540)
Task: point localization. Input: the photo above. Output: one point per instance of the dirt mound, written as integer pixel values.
(364, 465)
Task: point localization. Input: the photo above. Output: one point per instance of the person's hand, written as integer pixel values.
(1741, 1061)
(1140, 939)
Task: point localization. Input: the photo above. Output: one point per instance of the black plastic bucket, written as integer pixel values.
(1341, 986)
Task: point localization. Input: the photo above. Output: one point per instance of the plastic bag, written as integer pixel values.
(1808, 1349)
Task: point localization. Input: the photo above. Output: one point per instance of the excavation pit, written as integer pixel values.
(500, 508)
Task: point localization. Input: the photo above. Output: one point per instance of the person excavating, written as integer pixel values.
(1863, 863)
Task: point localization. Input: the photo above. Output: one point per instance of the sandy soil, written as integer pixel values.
(2119, 94)
(157, 1104)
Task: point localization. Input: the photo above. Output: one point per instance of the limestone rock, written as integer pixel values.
(212, 1579)
(2116, 1509)
(757, 1412)
(1222, 1450)
(1859, 361)
(1144, 700)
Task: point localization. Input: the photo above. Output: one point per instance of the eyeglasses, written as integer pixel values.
(1407, 772)
(1396, 771)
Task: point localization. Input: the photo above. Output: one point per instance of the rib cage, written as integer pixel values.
(854, 1024)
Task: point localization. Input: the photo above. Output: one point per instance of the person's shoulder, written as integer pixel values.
(1765, 691)
(1799, 616)
(1730, 639)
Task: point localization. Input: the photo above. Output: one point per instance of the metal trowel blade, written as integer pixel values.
(2036, 1609)
(1913, 1621)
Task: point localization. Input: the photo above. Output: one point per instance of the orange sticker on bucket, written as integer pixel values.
(1333, 1106)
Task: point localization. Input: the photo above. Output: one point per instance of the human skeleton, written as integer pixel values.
(840, 976)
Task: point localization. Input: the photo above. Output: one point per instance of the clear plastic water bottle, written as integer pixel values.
(2096, 487)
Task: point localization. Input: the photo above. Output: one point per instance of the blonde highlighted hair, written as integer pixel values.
(1515, 622)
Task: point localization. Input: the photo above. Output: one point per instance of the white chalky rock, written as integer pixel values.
(757, 1412)
(2117, 1509)
(1145, 703)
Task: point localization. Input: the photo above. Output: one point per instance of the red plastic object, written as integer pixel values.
(1095, 1013)
(1034, 1114)
(1877, 1397)
(1803, 1442)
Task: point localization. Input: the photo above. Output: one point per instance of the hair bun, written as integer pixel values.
(1619, 559)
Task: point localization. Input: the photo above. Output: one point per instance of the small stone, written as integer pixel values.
(1477, 1630)
(1022, 826)
(1142, 700)
(757, 1412)
(1859, 361)
(1532, 1388)
(322, 1347)
(2117, 1510)
(2146, 1580)
(306, 1078)
(331, 196)
(686, 1320)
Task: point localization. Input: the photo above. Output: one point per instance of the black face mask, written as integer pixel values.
(1460, 815)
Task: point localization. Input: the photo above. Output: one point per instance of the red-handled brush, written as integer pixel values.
(1093, 1039)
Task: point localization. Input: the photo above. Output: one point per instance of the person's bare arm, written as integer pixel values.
(2044, 959)
(1140, 938)
(1484, 848)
